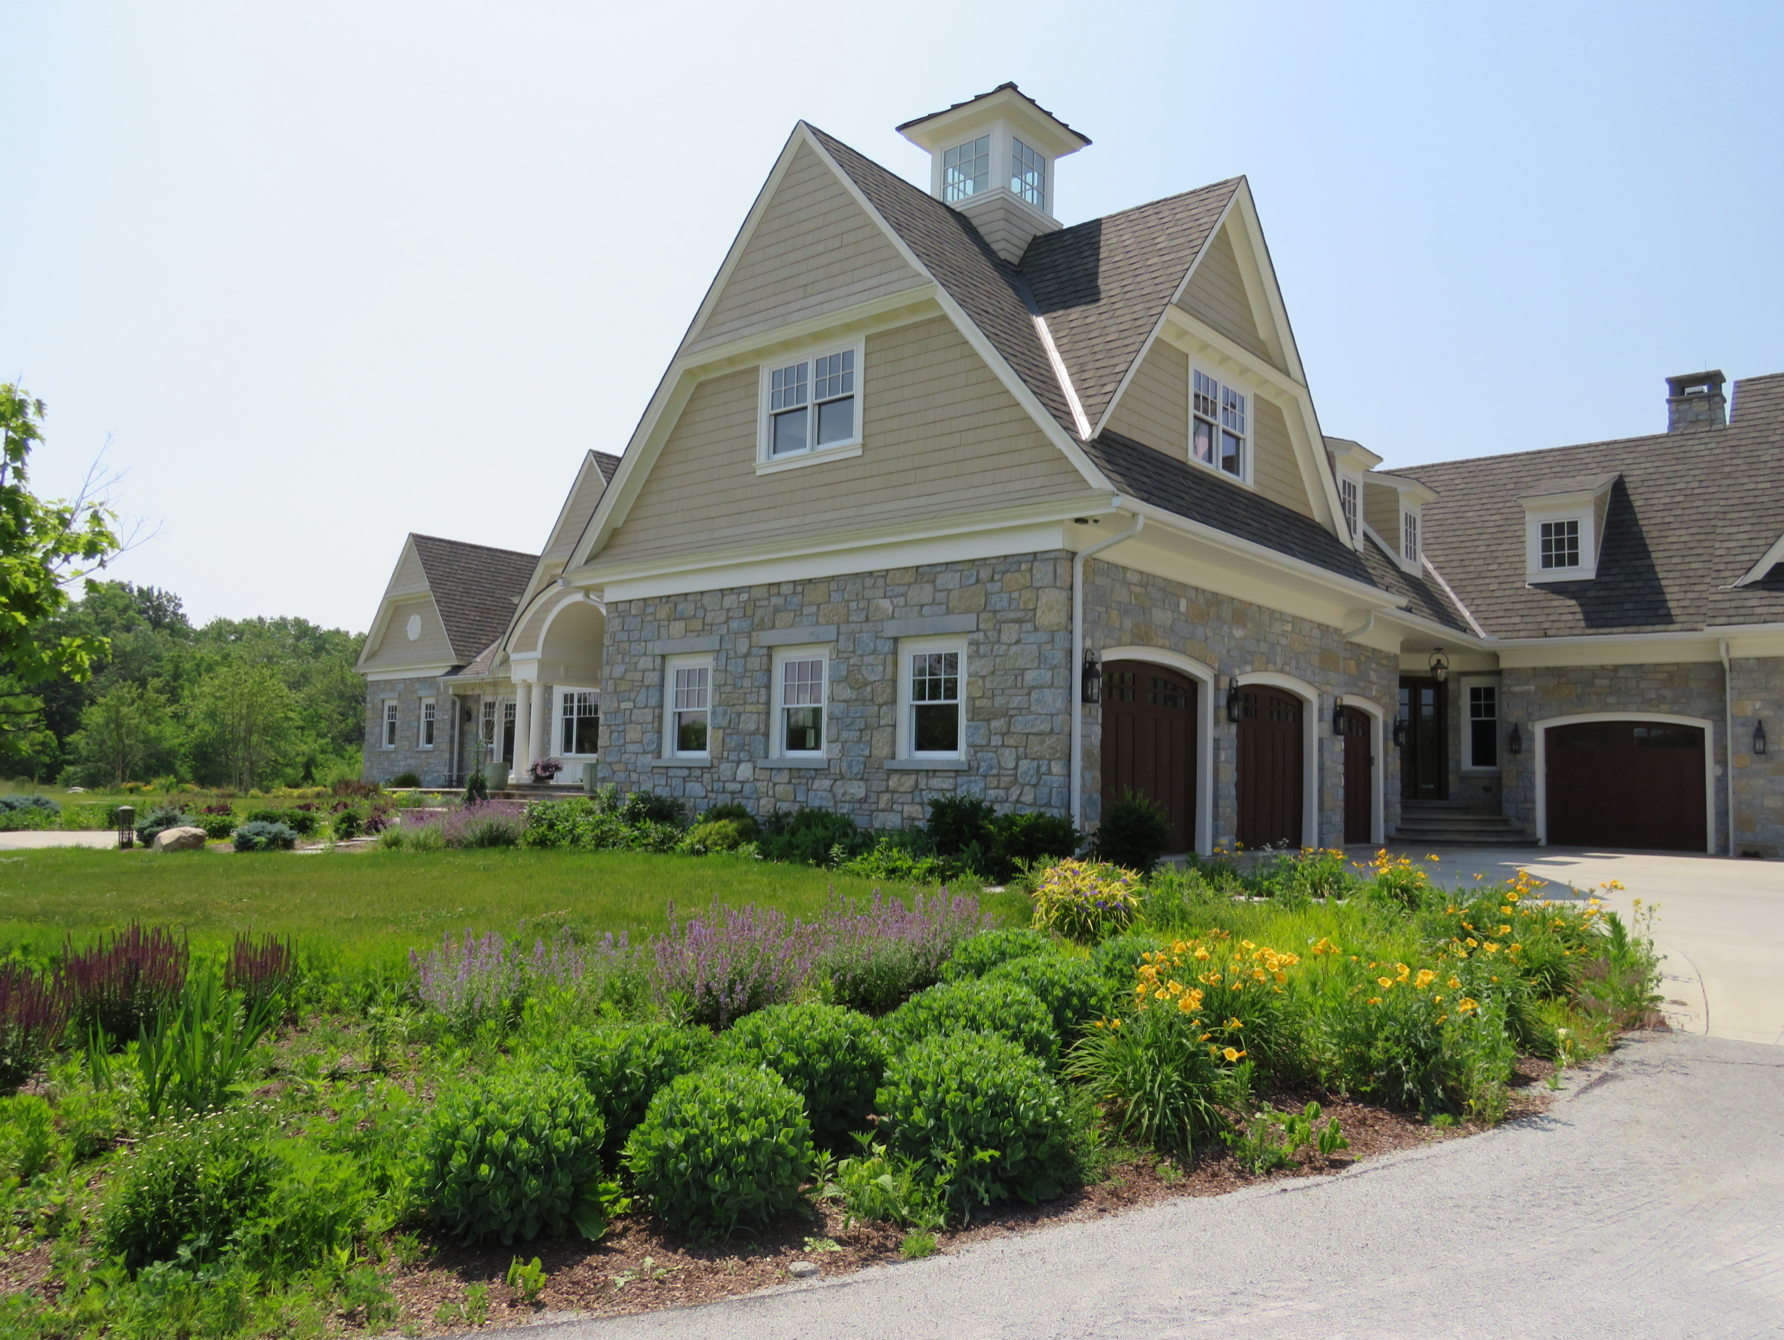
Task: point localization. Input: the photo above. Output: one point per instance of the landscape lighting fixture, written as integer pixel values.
(1090, 680)
(1439, 664)
(126, 827)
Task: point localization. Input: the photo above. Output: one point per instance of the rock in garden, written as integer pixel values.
(180, 839)
(803, 1270)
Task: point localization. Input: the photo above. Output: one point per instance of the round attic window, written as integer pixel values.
(414, 626)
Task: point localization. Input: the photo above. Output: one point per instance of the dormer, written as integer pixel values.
(1351, 461)
(1564, 528)
(1394, 512)
(992, 159)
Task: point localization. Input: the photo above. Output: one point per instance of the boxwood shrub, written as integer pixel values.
(832, 1057)
(258, 835)
(623, 1066)
(158, 820)
(987, 949)
(981, 1116)
(1117, 957)
(1073, 991)
(511, 1155)
(1004, 1008)
(722, 1147)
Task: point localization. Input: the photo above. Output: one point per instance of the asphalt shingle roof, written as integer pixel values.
(1691, 512)
(475, 588)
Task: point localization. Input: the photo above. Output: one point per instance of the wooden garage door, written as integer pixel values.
(1149, 742)
(1359, 776)
(1270, 762)
(1626, 784)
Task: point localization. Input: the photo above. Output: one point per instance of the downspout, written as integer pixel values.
(1362, 629)
(1728, 736)
(1078, 662)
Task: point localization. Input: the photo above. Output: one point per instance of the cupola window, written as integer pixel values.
(1028, 174)
(966, 169)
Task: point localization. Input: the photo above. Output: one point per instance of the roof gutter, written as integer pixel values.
(1078, 561)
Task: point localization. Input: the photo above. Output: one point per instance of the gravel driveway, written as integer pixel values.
(1649, 1201)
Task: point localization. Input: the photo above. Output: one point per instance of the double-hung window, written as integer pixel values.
(579, 719)
(932, 686)
(966, 169)
(1560, 542)
(1483, 726)
(427, 724)
(689, 685)
(486, 729)
(1028, 174)
(800, 686)
(390, 723)
(811, 404)
(1217, 425)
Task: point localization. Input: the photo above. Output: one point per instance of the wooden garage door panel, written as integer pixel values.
(1270, 762)
(1149, 742)
(1636, 784)
(1359, 777)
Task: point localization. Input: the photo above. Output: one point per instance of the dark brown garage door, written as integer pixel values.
(1626, 784)
(1270, 761)
(1149, 742)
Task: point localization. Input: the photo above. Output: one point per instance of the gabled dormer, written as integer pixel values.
(1351, 464)
(992, 159)
(1564, 528)
(1394, 512)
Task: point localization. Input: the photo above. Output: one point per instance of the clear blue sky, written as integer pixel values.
(328, 273)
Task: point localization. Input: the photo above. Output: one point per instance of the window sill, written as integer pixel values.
(793, 761)
(681, 763)
(926, 765)
(841, 452)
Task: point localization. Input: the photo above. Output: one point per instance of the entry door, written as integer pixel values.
(1633, 784)
(1270, 764)
(1359, 776)
(1424, 758)
(1149, 742)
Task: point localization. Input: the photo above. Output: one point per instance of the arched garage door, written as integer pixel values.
(1627, 784)
(1270, 762)
(1149, 742)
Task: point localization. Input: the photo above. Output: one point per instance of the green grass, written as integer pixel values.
(379, 904)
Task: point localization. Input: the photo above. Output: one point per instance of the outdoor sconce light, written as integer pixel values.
(1399, 732)
(1515, 743)
(1235, 699)
(126, 827)
(1439, 664)
(1338, 714)
(1090, 680)
(1759, 737)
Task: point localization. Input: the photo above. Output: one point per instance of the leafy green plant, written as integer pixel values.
(987, 949)
(722, 1147)
(832, 1057)
(527, 1279)
(27, 1136)
(194, 1057)
(1162, 1084)
(301, 821)
(1073, 991)
(905, 856)
(641, 807)
(1021, 840)
(1004, 1008)
(877, 1185)
(811, 837)
(982, 1117)
(1117, 957)
(476, 787)
(624, 1065)
(405, 779)
(710, 835)
(512, 1154)
(917, 1244)
(1133, 834)
(258, 835)
(158, 820)
(1085, 900)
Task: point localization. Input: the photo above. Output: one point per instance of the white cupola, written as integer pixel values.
(992, 159)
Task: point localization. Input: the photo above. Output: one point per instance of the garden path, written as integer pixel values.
(1646, 1202)
(57, 837)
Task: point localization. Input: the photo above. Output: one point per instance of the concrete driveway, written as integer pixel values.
(57, 837)
(1721, 925)
(1648, 1202)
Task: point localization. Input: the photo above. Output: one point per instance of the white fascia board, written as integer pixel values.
(1769, 560)
(1398, 559)
(375, 673)
(1404, 486)
(1456, 600)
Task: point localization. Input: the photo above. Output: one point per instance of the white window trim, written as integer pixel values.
(1464, 713)
(563, 691)
(421, 722)
(1412, 522)
(1248, 452)
(1356, 483)
(767, 463)
(1586, 569)
(776, 734)
(670, 665)
(913, 646)
(389, 722)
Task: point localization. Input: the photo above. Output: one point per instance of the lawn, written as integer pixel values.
(379, 904)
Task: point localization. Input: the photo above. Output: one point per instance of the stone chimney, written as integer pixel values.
(992, 159)
(1695, 401)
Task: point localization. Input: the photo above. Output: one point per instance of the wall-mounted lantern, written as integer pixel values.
(1515, 742)
(1439, 664)
(1235, 699)
(1759, 737)
(1399, 732)
(1090, 680)
(1338, 714)
(126, 820)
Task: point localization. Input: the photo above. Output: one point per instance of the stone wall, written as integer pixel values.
(1129, 608)
(1013, 613)
(431, 765)
(1758, 779)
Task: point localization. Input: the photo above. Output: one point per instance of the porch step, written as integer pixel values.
(1427, 824)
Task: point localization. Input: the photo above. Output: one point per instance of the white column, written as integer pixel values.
(539, 743)
(523, 732)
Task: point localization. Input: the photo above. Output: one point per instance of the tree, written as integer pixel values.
(123, 735)
(243, 721)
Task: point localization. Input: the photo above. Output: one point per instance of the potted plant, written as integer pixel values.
(543, 770)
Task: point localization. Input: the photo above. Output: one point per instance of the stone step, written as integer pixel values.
(1415, 840)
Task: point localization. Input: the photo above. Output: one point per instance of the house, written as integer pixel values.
(937, 495)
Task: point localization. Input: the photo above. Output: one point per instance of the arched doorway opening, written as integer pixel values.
(1149, 742)
(1271, 767)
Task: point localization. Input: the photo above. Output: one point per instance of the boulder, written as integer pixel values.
(179, 839)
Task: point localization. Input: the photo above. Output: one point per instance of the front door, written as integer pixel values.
(1424, 758)
(1149, 742)
(1270, 761)
(1359, 776)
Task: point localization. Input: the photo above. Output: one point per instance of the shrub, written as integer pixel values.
(478, 981)
(407, 779)
(811, 837)
(512, 1154)
(124, 981)
(737, 814)
(830, 1056)
(1134, 833)
(1163, 1085)
(256, 835)
(476, 787)
(20, 813)
(623, 1066)
(873, 957)
(159, 820)
(217, 826)
(1117, 957)
(960, 827)
(641, 807)
(17, 804)
(348, 823)
(1073, 991)
(494, 823)
(32, 1012)
(716, 967)
(981, 1115)
(1086, 900)
(905, 857)
(974, 1007)
(1020, 840)
(301, 821)
(710, 835)
(722, 1147)
(987, 949)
